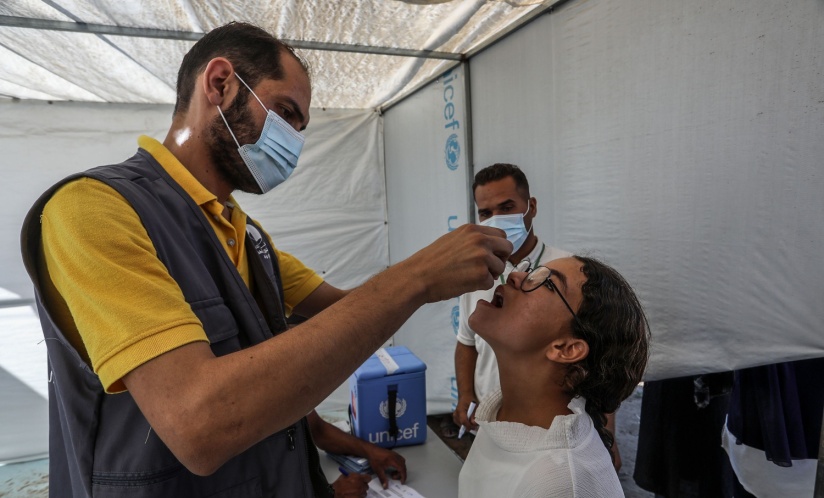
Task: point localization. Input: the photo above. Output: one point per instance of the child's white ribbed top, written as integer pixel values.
(509, 459)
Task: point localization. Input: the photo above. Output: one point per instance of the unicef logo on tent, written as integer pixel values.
(456, 314)
(400, 408)
(452, 152)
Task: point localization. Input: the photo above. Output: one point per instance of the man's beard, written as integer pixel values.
(224, 151)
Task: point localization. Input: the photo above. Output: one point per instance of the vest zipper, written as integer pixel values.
(290, 432)
(307, 480)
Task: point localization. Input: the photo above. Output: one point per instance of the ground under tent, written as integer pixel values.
(679, 141)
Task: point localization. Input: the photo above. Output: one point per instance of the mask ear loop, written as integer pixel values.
(528, 206)
(224, 117)
(253, 93)
(227, 126)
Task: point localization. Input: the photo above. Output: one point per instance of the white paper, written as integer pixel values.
(395, 490)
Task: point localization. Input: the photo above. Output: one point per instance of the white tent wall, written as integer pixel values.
(24, 424)
(426, 173)
(682, 143)
(25, 418)
(40, 143)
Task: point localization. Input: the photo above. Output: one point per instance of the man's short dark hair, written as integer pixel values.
(499, 171)
(253, 52)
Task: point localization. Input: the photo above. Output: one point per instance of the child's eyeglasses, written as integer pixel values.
(542, 276)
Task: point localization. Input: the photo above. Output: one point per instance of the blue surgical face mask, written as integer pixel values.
(513, 225)
(275, 154)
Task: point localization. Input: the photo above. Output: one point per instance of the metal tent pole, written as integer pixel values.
(819, 475)
(104, 29)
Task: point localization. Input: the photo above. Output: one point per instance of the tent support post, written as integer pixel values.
(13, 303)
(819, 475)
(470, 156)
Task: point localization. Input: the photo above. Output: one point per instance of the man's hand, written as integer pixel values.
(464, 260)
(459, 416)
(330, 438)
(351, 486)
(382, 461)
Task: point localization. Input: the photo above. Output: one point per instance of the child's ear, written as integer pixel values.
(567, 350)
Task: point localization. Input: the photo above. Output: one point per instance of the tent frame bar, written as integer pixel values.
(104, 29)
(470, 146)
(14, 303)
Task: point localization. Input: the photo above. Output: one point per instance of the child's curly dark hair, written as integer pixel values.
(612, 322)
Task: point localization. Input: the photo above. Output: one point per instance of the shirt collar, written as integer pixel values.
(565, 432)
(177, 171)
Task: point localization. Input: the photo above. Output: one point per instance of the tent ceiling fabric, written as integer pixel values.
(62, 65)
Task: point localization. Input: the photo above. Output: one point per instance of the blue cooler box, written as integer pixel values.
(390, 376)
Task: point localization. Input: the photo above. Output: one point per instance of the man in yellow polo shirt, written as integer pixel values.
(164, 305)
(141, 330)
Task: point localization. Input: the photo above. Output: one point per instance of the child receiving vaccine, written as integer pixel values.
(571, 340)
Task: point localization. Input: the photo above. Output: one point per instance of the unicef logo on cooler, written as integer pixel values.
(400, 408)
(455, 319)
(452, 152)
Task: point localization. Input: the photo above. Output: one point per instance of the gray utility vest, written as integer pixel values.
(100, 444)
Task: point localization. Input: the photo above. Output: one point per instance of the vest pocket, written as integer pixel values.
(174, 481)
(250, 488)
(164, 482)
(220, 325)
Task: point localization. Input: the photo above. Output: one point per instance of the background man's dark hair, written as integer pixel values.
(253, 52)
(500, 171)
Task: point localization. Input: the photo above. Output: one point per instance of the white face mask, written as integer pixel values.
(513, 225)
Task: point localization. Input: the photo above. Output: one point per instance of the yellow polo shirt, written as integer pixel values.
(107, 289)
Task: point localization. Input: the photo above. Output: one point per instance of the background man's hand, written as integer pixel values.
(351, 486)
(616, 456)
(459, 415)
(384, 461)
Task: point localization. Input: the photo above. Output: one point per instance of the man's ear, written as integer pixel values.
(568, 350)
(533, 205)
(217, 83)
